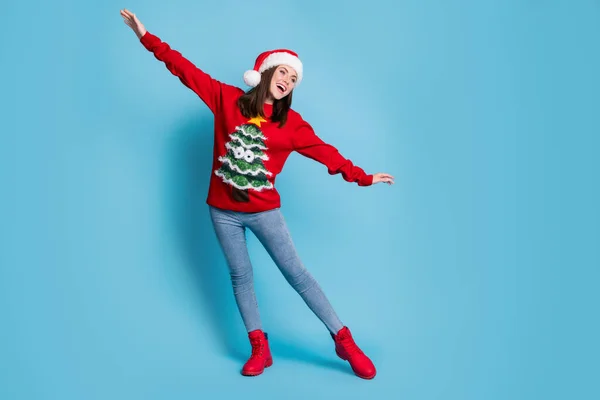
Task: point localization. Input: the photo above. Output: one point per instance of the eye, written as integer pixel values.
(294, 80)
(238, 152)
(249, 156)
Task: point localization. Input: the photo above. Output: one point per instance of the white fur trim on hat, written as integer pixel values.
(281, 58)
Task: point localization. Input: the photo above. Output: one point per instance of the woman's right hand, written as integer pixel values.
(131, 20)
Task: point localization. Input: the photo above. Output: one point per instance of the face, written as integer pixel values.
(283, 82)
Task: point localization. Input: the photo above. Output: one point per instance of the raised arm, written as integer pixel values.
(208, 89)
(307, 143)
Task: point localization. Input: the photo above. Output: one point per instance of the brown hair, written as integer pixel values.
(251, 102)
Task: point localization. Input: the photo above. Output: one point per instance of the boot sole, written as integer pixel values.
(365, 377)
(267, 365)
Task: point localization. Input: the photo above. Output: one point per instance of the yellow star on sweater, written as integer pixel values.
(257, 120)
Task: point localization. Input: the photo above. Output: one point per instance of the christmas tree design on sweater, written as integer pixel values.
(242, 166)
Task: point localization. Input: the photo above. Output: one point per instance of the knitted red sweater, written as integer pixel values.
(249, 153)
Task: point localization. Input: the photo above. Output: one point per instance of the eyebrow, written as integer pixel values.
(286, 70)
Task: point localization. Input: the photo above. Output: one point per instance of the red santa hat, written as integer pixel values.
(273, 58)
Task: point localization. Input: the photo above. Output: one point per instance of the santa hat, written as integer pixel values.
(273, 58)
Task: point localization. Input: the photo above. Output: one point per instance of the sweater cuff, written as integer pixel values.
(147, 40)
(366, 181)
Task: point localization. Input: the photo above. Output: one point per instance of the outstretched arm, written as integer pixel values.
(207, 88)
(307, 143)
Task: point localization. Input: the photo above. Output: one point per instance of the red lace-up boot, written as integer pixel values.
(261, 354)
(347, 350)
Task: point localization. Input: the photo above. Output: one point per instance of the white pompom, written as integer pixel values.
(252, 78)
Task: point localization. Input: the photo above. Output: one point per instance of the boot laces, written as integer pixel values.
(350, 346)
(257, 347)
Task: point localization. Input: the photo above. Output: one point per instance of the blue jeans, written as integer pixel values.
(271, 230)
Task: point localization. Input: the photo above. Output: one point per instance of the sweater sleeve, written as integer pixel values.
(307, 143)
(207, 88)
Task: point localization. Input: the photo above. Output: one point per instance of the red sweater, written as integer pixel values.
(248, 154)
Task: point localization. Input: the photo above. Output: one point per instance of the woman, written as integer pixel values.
(255, 132)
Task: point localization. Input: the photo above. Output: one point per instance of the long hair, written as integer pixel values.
(251, 102)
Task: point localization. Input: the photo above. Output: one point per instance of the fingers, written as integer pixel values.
(128, 22)
(382, 177)
(133, 22)
(125, 16)
(128, 15)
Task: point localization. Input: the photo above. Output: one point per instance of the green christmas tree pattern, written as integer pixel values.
(243, 166)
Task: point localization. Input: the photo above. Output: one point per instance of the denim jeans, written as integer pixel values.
(271, 230)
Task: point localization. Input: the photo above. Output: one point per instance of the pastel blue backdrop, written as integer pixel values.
(473, 277)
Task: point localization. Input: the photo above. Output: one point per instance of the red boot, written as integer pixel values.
(261, 354)
(347, 350)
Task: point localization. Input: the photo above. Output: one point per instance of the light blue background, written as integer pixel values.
(474, 277)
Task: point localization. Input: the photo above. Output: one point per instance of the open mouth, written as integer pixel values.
(281, 88)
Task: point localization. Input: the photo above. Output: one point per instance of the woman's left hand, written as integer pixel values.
(381, 177)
